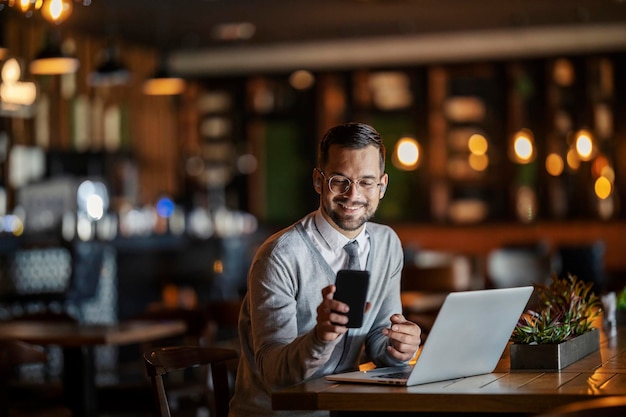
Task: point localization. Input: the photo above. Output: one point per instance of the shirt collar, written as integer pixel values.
(334, 239)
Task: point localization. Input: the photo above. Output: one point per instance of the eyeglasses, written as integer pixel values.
(338, 184)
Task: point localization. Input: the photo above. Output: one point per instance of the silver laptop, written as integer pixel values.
(469, 335)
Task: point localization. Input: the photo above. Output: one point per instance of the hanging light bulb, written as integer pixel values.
(56, 11)
(162, 83)
(25, 6)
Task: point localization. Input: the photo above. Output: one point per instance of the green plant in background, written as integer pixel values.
(567, 308)
(621, 300)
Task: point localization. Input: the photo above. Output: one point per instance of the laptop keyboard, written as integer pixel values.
(396, 375)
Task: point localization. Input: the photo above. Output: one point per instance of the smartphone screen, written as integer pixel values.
(352, 289)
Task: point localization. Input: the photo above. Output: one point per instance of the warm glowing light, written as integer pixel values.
(218, 267)
(584, 145)
(554, 164)
(609, 173)
(301, 80)
(603, 188)
(563, 72)
(523, 147)
(573, 161)
(54, 11)
(24, 5)
(12, 90)
(164, 86)
(407, 154)
(526, 204)
(478, 162)
(11, 71)
(478, 144)
(54, 66)
(599, 164)
(57, 11)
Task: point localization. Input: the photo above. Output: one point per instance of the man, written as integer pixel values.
(290, 327)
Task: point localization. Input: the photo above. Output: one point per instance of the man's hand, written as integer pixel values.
(404, 337)
(330, 323)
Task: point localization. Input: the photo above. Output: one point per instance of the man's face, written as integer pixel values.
(349, 211)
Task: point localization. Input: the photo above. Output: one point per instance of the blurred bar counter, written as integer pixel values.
(478, 240)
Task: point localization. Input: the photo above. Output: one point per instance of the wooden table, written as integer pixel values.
(78, 342)
(602, 373)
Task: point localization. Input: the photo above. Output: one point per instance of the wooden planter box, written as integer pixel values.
(554, 356)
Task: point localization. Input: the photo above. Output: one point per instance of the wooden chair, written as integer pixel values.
(599, 407)
(54, 353)
(12, 355)
(162, 361)
(131, 392)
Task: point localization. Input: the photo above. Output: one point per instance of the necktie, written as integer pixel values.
(353, 254)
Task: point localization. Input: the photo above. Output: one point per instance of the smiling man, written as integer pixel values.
(290, 327)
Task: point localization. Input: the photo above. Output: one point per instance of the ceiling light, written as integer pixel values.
(110, 72)
(56, 11)
(162, 83)
(52, 61)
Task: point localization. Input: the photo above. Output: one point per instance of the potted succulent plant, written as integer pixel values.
(560, 330)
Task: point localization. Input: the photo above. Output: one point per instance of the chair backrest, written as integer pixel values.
(163, 360)
(196, 321)
(598, 407)
(15, 353)
(12, 355)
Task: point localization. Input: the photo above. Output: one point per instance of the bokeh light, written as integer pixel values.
(573, 161)
(584, 145)
(301, 80)
(554, 164)
(523, 146)
(406, 155)
(478, 162)
(603, 188)
(478, 144)
(165, 207)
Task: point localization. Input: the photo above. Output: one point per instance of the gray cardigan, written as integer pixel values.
(279, 347)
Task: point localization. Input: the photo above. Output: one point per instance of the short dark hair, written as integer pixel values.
(351, 135)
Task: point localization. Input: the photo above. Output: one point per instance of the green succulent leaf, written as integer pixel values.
(568, 307)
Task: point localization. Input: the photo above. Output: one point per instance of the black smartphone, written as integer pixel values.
(352, 287)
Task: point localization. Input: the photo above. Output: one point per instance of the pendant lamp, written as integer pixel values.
(110, 72)
(162, 83)
(51, 60)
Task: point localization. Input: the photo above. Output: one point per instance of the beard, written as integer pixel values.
(347, 222)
